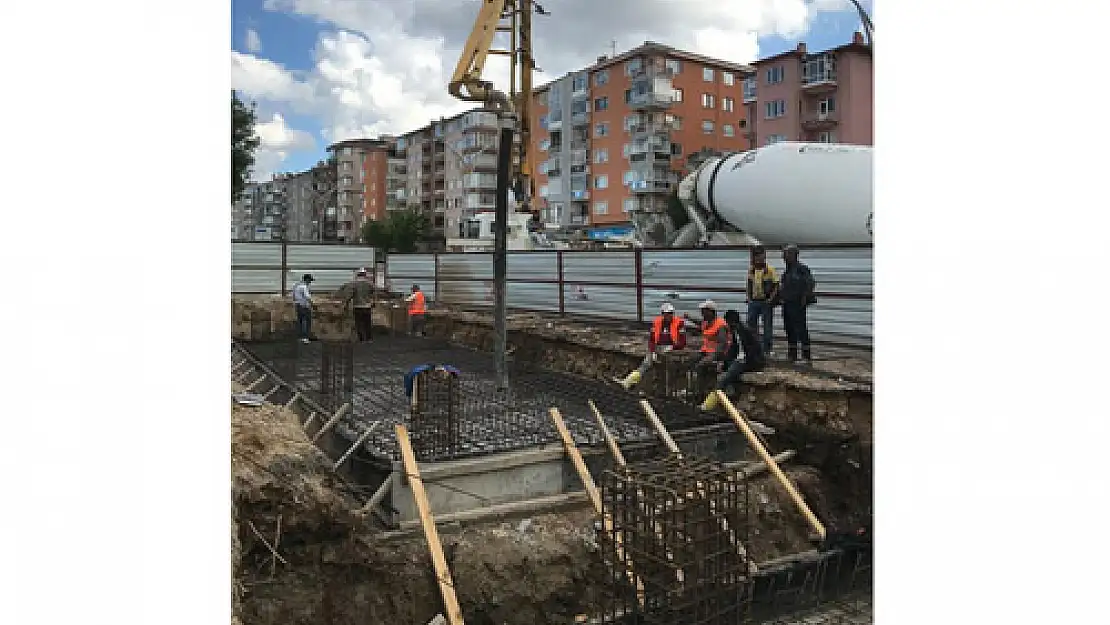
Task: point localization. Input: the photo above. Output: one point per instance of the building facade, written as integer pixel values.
(613, 138)
(362, 167)
(825, 96)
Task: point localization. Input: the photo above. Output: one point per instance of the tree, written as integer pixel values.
(398, 232)
(243, 144)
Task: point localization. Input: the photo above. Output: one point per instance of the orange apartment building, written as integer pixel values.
(825, 96)
(615, 137)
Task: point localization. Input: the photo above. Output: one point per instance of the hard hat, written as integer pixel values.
(710, 304)
(667, 307)
(362, 271)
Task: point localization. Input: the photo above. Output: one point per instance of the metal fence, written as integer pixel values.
(271, 268)
(630, 285)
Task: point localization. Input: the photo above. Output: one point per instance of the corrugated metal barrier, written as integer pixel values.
(622, 285)
(272, 268)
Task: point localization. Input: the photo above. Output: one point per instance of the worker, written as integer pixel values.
(417, 308)
(797, 294)
(302, 302)
(359, 294)
(752, 359)
(667, 333)
(763, 285)
(714, 338)
(410, 377)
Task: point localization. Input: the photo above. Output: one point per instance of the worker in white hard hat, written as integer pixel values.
(667, 333)
(359, 295)
(715, 339)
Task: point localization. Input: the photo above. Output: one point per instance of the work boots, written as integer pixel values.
(632, 379)
(710, 402)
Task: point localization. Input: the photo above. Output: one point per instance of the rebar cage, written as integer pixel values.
(675, 544)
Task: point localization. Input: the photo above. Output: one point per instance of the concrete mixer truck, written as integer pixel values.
(803, 193)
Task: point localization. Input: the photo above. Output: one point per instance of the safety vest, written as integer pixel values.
(416, 306)
(657, 329)
(710, 331)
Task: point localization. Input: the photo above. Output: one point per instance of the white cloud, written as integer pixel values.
(385, 66)
(253, 41)
(276, 141)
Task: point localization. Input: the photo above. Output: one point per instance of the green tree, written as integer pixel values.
(243, 144)
(399, 232)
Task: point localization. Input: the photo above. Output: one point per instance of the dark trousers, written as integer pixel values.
(797, 329)
(364, 322)
(304, 322)
(762, 310)
(735, 370)
(416, 324)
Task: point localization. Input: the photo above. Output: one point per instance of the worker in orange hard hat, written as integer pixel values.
(417, 308)
(667, 333)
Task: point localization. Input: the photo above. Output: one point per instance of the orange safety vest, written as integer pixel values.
(709, 332)
(657, 329)
(416, 306)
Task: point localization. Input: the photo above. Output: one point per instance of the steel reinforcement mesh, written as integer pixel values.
(483, 418)
(675, 545)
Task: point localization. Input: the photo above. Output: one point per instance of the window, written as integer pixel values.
(775, 139)
(775, 74)
(628, 177)
(580, 83)
(749, 88)
(348, 151)
(347, 165)
(601, 78)
(826, 137)
(601, 208)
(601, 104)
(601, 130)
(727, 104)
(545, 145)
(674, 121)
(707, 100)
(826, 106)
(678, 95)
(545, 191)
(728, 78)
(674, 65)
(626, 150)
(630, 121)
(629, 205)
(633, 66)
(601, 182)
(728, 130)
(601, 155)
(707, 74)
(775, 108)
(707, 126)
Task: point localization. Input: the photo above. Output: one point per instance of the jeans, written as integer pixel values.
(304, 322)
(735, 370)
(797, 330)
(764, 310)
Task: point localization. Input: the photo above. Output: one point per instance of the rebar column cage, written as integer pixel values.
(337, 373)
(435, 414)
(680, 527)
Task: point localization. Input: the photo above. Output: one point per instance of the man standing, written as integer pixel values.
(359, 294)
(666, 334)
(798, 287)
(302, 302)
(763, 285)
(417, 309)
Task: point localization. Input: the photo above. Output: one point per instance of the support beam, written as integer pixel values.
(379, 495)
(358, 443)
(773, 466)
(256, 383)
(332, 421)
(293, 399)
(439, 561)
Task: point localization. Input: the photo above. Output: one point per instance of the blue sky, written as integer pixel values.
(338, 68)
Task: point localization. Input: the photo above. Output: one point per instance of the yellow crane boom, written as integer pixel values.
(467, 84)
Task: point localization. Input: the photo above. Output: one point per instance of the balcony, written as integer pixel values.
(651, 100)
(479, 120)
(579, 119)
(481, 162)
(653, 145)
(820, 121)
(478, 182)
(819, 74)
(651, 71)
(579, 157)
(554, 123)
(654, 185)
(579, 195)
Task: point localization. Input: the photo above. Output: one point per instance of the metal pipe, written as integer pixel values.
(500, 249)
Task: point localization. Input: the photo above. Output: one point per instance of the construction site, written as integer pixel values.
(561, 499)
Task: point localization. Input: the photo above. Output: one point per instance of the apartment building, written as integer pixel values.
(451, 170)
(613, 138)
(260, 213)
(361, 177)
(824, 96)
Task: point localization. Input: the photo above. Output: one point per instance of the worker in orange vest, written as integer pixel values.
(417, 309)
(715, 339)
(667, 333)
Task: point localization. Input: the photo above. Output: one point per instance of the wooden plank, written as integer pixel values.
(773, 466)
(609, 440)
(595, 499)
(439, 561)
